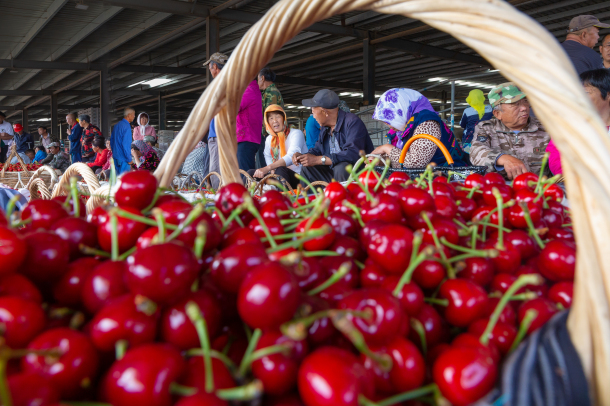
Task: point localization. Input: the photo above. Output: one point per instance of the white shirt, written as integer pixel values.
(7, 127)
(295, 142)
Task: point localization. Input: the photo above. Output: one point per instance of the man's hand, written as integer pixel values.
(310, 160)
(260, 173)
(513, 166)
(295, 157)
(68, 131)
(383, 149)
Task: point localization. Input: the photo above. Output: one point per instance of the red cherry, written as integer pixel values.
(387, 314)
(467, 301)
(505, 191)
(128, 232)
(398, 178)
(319, 243)
(383, 208)
(43, 213)
(67, 291)
(148, 238)
(562, 233)
(331, 376)
(348, 247)
(18, 285)
(343, 224)
(517, 218)
(240, 236)
(466, 208)
(527, 196)
(443, 189)
(278, 372)
(70, 208)
(309, 273)
(469, 340)
(268, 296)
(143, 376)
(201, 399)
(554, 193)
(502, 335)
(232, 264)
(521, 240)
(273, 225)
(194, 374)
(411, 297)
(444, 228)
(30, 389)
(98, 216)
(22, 320)
(47, 257)
(494, 178)
(391, 247)
(508, 315)
(335, 192)
(446, 207)
(272, 208)
(392, 190)
(545, 309)
(130, 318)
(429, 274)
(161, 272)
(73, 370)
(104, 283)
(366, 233)
(557, 261)
(478, 270)
(369, 179)
(413, 201)
(474, 180)
(464, 375)
(561, 293)
(501, 283)
(76, 231)
(164, 198)
(12, 251)
(177, 328)
(137, 190)
(274, 195)
(551, 218)
(230, 197)
(526, 180)
(357, 194)
(372, 275)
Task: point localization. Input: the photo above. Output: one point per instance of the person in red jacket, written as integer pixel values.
(101, 154)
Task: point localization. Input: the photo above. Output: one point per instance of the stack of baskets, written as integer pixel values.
(21, 179)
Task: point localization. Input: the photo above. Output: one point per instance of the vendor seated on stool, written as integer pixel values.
(342, 137)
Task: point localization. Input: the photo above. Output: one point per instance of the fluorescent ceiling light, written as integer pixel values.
(301, 107)
(152, 83)
(81, 6)
(344, 94)
(44, 119)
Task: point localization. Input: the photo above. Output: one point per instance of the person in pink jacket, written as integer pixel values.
(249, 118)
(143, 128)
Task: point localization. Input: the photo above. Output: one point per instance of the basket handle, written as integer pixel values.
(428, 137)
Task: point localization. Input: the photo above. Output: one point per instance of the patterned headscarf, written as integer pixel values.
(143, 147)
(476, 99)
(396, 107)
(278, 139)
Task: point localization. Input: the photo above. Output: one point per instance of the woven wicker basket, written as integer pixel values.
(525, 53)
(21, 179)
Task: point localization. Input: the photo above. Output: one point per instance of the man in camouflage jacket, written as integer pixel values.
(512, 142)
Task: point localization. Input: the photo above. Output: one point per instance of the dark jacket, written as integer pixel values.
(74, 137)
(23, 142)
(351, 135)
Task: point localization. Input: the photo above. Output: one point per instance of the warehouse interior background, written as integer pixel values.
(62, 56)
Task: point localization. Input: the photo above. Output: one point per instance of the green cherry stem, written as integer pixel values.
(383, 174)
(273, 349)
(181, 390)
(437, 243)
(120, 348)
(545, 159)
(500, 204)
(334, 278)
(75, 197)
(200, 240)
(401, 397)
(418, 327)
(5, 392)
(530, 225)
(356, 211)
(251, 391)
(194, 314)
(92, 251)
(114, 236)
(250, 207)
(415, 261)
(140, 219)
(527, 321)
(311, 235)
(161, 225)
(246, 360)
(196, 212)
(198, 352)
(473, 252)
(297, 329)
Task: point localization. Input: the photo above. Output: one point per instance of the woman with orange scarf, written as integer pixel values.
(281, 144)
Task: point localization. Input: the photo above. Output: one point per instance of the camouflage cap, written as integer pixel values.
(217, 57)
(505, 93)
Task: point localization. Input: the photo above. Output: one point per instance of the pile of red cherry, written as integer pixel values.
(378, 293)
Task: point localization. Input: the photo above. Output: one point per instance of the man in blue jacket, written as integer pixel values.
(342, 136)
(120, 142)
(75, 131)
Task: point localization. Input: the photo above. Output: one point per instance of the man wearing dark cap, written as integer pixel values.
(342, 136)
(583, 34)
(6, 136)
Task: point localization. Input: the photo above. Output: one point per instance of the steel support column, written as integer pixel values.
(54, 120)
(452, 104)
(212, 44)
(368, 78)
(162, 113)
(105, 101)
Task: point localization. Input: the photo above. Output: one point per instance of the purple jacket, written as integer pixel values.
(250, 115)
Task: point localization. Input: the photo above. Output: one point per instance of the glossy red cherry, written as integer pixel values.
(474, 180)
(493, 178)
(508, 259)
(268, 296)
(73, 370)
(398, 178)
(194, 374)
(391, 247)
(343, 224)
(18, 285)
(366, 233)
(551, 218)
(478, 270)
(444, 228)
(435, 329)
(331, 376)
(22, 320)
(335, 192)
(161, 272)
(230, 197)
(466, 301)
(501, 282)
(464, 375)
(240, 236)
(67, 291)
(232, 264)
(137, 190)
(392, 191)
(562, 293)
(348, 247)
(70, 208)
(357, 194)
(177, 328)
(502, 335)
(143, 376)
(413, 201)
(13, 250)
(372, 275)
(273, 225)
(523, 243)
(411, 297)
(319, 243)
(369, 179)
(274, 195)
(545, 310)
(128, 232)
(76, 231)
(43, 213)
(517, 218)
(278, 372)
(554, 193)
(446, 207)
(104, 283)
(30, 389)
(383, 208)
(387, 314)
(557, 261)
(308, 273)
(466, 208)
(508, 315)
(505, 191)
(526, 180)
(429, 274)
(469, 340)
(47, 257)
(562, 233)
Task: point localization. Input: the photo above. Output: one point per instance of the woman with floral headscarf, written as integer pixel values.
(144, 157)
(409, 113)
(280, 145)
(478, 111)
